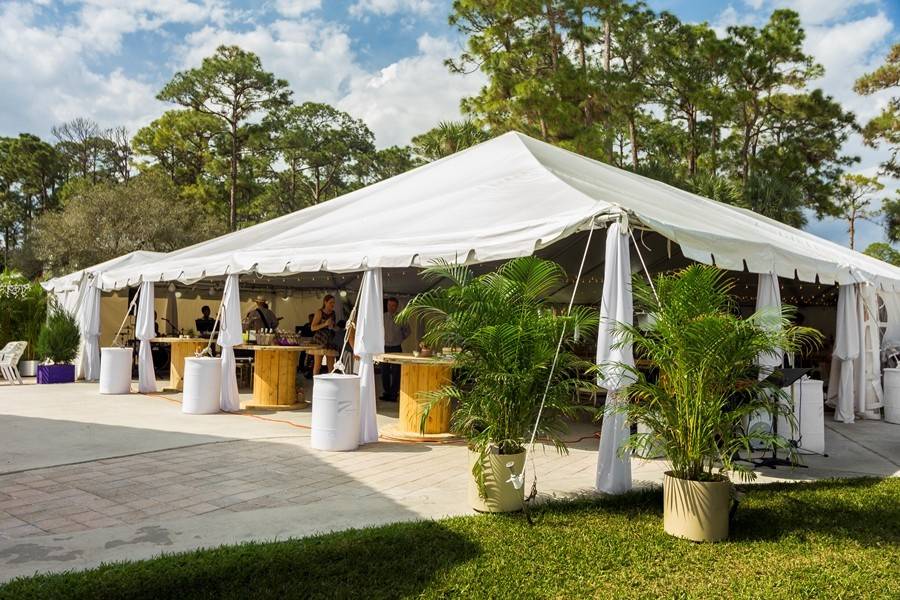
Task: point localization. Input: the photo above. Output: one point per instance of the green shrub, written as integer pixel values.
(22, 315)
(59, 338)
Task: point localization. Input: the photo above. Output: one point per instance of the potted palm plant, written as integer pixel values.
(707, 383)
(57, 347)
(507, 335)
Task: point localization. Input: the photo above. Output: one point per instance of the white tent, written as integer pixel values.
(70, 282)
(507, 197)
(511, 196)
(79, 294)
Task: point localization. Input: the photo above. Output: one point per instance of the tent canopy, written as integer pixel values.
(508, 197)
(70, 282)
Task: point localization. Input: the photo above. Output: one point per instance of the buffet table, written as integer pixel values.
(275, 376)
(419, 375)
(180, 348)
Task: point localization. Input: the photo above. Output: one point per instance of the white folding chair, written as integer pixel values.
(4, 361)
(9, 361)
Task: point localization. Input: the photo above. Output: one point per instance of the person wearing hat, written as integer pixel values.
(261, 317)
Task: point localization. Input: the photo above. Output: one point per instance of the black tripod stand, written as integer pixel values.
(782, 378)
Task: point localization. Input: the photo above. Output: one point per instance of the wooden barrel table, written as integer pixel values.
(179, 349)
(418, 376)
(275, 376)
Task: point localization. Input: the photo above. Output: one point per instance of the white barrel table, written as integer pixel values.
(808, 403)
(115, 370)
(335, 412)
(202, 385)
(892, 395)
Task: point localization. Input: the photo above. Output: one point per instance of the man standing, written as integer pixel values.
(394, 335)
(261, 317)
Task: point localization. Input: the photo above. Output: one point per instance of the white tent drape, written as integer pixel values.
(868, 363)
(768, 303)
(369, 342)
(846, 351)
(613, 470)
(172, 312)
(88, 316)
(145, 330)
(230, 335)
(891, 338)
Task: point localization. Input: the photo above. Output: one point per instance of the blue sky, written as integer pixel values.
(380, 60)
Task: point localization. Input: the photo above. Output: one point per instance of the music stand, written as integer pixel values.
(782, 378)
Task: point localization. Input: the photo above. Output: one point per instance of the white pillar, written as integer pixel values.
(369, 342)
(613, 470)
(230, 335)
(145, 330)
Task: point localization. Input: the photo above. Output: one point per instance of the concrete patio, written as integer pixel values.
(86, 478)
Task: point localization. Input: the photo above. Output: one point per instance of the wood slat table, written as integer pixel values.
(417, 376)
(180, 348)
(275, 376)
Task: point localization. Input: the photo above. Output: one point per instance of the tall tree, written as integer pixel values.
(230, 85)
(101, 221)
(321, 147)
(855, 201)
(886, 126)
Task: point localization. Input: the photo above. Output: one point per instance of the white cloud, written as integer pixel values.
(411, 95)
(46, 80)
(847, 50)
(390, 7)
(295, 8)
(315, 56)
(822, 11)
(398, 101)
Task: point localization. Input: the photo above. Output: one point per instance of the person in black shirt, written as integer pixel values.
(205, 323)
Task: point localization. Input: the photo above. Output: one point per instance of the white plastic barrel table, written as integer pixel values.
(202, 385)
(115, 370)
(809, 414)
(335, 412)
(892, 395)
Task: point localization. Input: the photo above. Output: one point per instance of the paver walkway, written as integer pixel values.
(147, 478)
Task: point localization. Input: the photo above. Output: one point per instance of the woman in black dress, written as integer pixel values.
(323, 326)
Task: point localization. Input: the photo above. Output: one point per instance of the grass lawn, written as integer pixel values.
(832, 539)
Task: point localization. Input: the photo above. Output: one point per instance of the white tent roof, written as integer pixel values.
(507, 197)
(131, 260)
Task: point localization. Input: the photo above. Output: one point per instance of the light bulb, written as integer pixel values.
(342, 293)
(178, 294)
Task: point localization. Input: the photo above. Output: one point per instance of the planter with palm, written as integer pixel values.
(57, 347)
(508, 335)
(707, 384)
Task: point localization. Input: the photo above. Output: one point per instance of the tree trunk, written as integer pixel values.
(715, 145)
(232, 204)
(632, 136)
(607, 51)
(692, 134)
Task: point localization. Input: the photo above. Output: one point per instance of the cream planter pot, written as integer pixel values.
(696, 510)
(501, 495)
